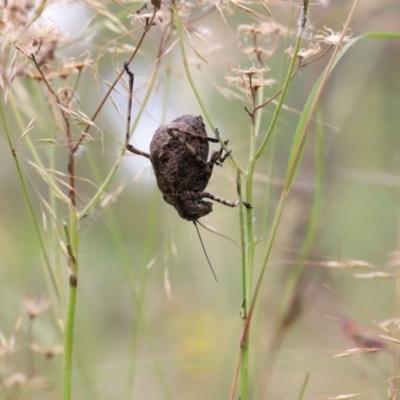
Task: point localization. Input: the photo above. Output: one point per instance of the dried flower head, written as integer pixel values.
(66, 95)
(35, 307)
(16, 13)
(15, 379)
(331, 38)
(7, 345)
(42, 36)
(247, 77)
(72, 65)
(247, 81)
(145, 17)
(260, 40)
(265, 28)
(261, 53)
(46, 351)
(313, 49)
(250, 71)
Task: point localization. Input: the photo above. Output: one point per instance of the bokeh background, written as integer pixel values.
(151, 321)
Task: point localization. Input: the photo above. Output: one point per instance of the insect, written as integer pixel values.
(178, 153)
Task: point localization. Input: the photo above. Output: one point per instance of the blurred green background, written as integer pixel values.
(151, 321)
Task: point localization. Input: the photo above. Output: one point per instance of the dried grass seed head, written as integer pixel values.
(260, 53)
(143, 18)
(260, 40)
(250, 71)
(16, 13)
(66, 95)
(72, 65)
(46, 351)
(332, 38)
(35, 307)
(43, 36)
(246, 76)
(265, 28)
(313, 49)
(15, 380)
(7, 346)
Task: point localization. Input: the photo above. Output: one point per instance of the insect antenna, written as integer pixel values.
(219, 234)
(204, 249)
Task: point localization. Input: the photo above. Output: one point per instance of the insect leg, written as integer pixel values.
(173, 132)
(128, 146)
(226, 155)
(217, 157)
(202, 195)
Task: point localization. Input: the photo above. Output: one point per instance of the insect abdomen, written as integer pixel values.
(175, 169)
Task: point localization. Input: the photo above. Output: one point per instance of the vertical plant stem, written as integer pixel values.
(242, 240)
(247, 271)
(31, 360)
(304, 386)
(68, 341)
(72, 247)
(250, 242)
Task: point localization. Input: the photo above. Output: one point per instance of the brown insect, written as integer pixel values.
(179, 153)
